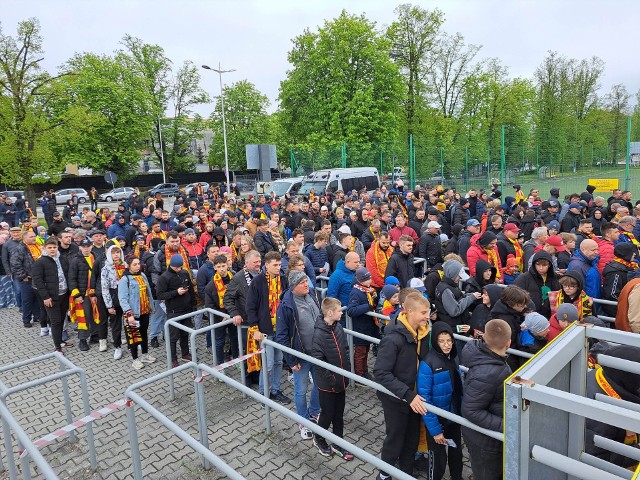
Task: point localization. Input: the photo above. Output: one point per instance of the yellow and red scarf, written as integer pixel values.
(182, 252)
(145, 303)
(353, 244)
(519, 253)
(275, 292)
(119, 268)
(382, 257)
(370, 291)
(630, 236)
(35, 250)
(583, 303)
(76, 310)
(234, 252)
(221, 287)
(630, 265)
(161, 235)
(494, 260)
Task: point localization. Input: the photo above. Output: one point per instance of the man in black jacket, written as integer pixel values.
(58, 225)
(263, 299)
(7, 250)
(174, 286)
(82, 284)
(50, 274)
(404, 344)
(400, 264)
(263, 239)
(483, 398)
(21, 264)
(430, 247)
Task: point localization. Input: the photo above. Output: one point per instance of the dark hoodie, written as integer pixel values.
(555, 195)
(483, 399)
(439, 381)
(627, 386)
(477, 282)
(482, 313)
(537, 286)
(514, 319)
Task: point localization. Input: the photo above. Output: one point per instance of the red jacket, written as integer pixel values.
(554, 328)
(476, 252)
(377, 268)
(605, 252)
(395, 233)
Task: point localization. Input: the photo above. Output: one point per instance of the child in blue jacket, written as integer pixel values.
(440, 384)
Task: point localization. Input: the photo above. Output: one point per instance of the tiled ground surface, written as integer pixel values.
(236, 425)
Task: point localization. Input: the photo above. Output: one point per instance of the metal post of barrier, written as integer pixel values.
(133, 441)
(351, 352)
(243, 370)
(212, 321)
(201, 415)
(11, 424)
(568, 465)
(93, 460)
(67, 404)
(265, 386)
(357, 451)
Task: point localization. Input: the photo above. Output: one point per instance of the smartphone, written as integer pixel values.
(459, 329)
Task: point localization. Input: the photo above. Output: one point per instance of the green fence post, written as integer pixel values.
(292, 161)
(442, 164)
(537, 159)
(489, 164)
(344, 154)
(627, 178)
(466, 167)
(502, 158)
(381, 172)
(523, 160)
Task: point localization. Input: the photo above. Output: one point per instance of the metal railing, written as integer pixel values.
(66, 369)
(193, 333)
(207, 457)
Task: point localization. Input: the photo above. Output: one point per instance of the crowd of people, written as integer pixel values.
(508, 272)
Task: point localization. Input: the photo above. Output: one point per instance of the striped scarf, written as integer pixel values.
(371, 293)
(631, 237)
(587, 235)
(382, 257)
(182, 252)
(145, 303)
(631, 438)
(35, 250)
(275, 291)
(162, 235)
(234, 252)
(353, 244)
(221, 287)
(120, 268)
(494, 260)
(519, 253)
(630, 265)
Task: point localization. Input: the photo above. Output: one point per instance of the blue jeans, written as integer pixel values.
(157, 320)
(273, 369)
(30, 306)
(17, 291)
(221, 334)
(300, 388)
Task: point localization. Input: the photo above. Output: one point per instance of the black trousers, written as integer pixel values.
(332, 411)
(102, 328)
(439, 454)
(56, 315)
(402, 428)
(115, 321)
(144, 334)
(176, 334)
(485, 464)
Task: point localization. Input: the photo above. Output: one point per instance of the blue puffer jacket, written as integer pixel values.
(318, 257)
(589, 271)
(435, 382)
(340, 284)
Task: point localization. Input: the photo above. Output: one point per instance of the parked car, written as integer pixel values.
(191, 186)
(12, 194)
(65, 194)
(120, 193)
(164, 189)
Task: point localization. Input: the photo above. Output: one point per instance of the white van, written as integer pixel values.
(280, 187)
(345, 179)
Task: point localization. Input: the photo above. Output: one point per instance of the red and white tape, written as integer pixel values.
(81, 422)
(235, 361)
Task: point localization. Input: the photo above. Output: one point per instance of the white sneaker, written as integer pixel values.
(148, 358)
(137, 364)
(305, 433)
(290, 377)
(117, 354)
(103, 345)
(44, 332)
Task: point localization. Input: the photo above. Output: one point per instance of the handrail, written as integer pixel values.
(376, 386)
(26, 443)
(357, 451)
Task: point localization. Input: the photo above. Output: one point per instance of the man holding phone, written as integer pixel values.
(176, 289)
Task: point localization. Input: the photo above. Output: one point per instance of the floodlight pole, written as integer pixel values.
(164, 176)
(219, 71)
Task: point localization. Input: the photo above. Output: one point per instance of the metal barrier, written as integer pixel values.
(66, 369)
(192, 339)
(423, 261)
(202, 447)
(548, 395)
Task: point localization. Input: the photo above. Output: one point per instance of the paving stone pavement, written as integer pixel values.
(236, 425)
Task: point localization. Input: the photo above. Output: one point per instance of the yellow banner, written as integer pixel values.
(605, 184)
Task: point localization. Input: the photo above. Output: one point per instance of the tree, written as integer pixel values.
(342, 87)
(617, 101)
(413, 36)
(119, 110)
(247, 122)
(174, 94)
(28, 122)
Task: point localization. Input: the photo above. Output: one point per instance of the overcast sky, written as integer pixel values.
(254, 36)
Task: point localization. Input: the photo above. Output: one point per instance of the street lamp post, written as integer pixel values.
(219, 71)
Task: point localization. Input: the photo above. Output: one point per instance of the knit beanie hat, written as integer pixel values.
(391, 280)
(535, 323)
(176, 261)
(567, 312)
(624, 251)
(486, 238)
(362, 275)
(295, 277)
(388, 291)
